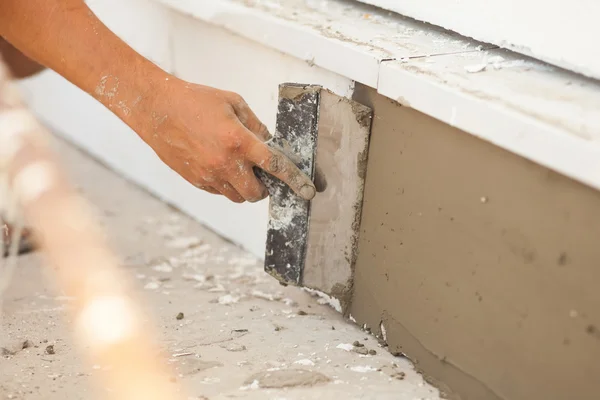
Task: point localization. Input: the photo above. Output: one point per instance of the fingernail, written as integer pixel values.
(308, 192)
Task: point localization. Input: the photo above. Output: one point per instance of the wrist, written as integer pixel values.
(153, 100)
(132, 94)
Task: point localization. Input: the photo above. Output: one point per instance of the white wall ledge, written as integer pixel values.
(555, 31)
(539, 112)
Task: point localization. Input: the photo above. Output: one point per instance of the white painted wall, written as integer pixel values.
(556, 31)
(199, 53)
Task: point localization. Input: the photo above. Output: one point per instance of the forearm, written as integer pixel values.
(19, 65)
(67, 37)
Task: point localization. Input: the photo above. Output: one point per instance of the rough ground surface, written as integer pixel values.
(240, 334)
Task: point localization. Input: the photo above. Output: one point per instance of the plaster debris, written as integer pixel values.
(164, 267)
(286, 378)
(177, 355)
(289, 302)
(473, 69)
(184, 242)
(169, 230)
(363, 369)
(306, 362)
(252, 386)
(383, 332)
(217, 288)
(266, 296)
(234, 347)
(228, 299)
(152, 285)
(498, 62)
(195, 277)
(326, 299)
(345, 346)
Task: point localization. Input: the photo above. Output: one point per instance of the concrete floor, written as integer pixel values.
(237, 322)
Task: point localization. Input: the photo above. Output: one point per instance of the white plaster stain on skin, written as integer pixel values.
(121, 105)
(158, 120)
(136, 101)
(108, 86)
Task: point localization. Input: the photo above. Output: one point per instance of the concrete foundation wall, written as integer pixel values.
(478, 265)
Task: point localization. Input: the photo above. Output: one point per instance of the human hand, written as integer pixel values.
(213, 140)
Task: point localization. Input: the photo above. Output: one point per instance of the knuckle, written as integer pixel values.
(233, 144)
(296, 179)
(236, 99)
(276, 164)
(263, 132)
(216, 163)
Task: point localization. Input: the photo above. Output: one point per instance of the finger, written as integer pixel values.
(249, 119)
(278, 165)
(208, 189)
(228, 191)
(248, 186)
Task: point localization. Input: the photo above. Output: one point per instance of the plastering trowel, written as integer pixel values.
(313, 243)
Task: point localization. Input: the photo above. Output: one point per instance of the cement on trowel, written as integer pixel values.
(313, 244)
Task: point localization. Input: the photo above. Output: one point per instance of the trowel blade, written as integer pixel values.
(296, 136)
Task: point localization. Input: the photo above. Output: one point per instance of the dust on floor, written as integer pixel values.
(227, 329)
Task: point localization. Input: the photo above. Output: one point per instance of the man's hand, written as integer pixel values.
(210, 137)
(213, 140)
